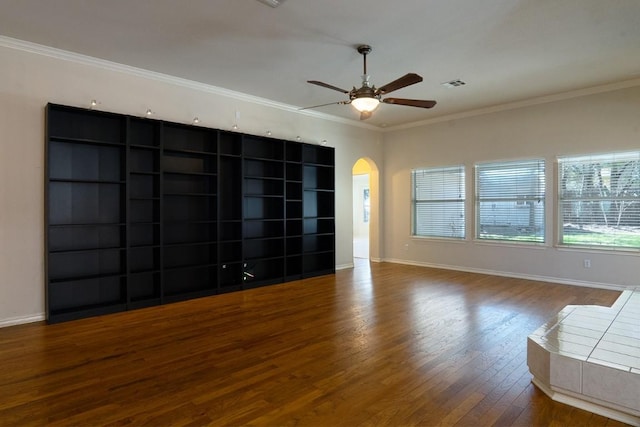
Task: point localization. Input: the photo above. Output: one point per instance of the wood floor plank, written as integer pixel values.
(378, 345)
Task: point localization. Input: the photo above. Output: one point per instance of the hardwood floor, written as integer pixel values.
(388, 345)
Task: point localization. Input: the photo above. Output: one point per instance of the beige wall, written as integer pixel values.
(28, 81)
(588, 124)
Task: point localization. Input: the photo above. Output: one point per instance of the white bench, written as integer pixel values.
(589, 357)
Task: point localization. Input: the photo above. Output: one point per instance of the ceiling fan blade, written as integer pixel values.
(410, 102)
(324, 105)
(404, 81)
(328, 86)
(364, 115)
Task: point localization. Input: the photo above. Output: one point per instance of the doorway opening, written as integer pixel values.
(362, 209)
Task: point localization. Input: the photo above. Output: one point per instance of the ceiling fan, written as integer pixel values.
(368, 97)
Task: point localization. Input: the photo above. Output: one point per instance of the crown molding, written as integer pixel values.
(521, 104)
(64, 55)
(52, 52)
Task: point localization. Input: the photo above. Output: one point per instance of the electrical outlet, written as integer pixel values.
(587, 263)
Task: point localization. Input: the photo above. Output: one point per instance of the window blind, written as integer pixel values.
(438, 202)
(510, 200)
(599, 200)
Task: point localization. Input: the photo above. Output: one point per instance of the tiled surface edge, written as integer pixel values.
(589, 357)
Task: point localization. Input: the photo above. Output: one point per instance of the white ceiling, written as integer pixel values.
(506, 50)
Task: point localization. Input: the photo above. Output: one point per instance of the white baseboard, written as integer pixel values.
(559, 280)
(12, 321)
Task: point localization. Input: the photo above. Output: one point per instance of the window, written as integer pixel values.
(599, 200)
(438, 202)
(510, 201)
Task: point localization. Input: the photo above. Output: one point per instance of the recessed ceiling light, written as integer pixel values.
(272, 3)
(454, 83)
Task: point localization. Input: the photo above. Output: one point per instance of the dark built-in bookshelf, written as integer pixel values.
(142, 212)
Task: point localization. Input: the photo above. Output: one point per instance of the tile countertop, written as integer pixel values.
(608, 336)
(589, 357)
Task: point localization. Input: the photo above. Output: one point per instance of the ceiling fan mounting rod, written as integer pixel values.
(364, 50)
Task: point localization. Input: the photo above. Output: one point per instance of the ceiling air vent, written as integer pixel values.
(453, 83)
(272, 3)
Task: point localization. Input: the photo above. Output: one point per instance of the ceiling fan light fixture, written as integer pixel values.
(367, 98)
(365, 103)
